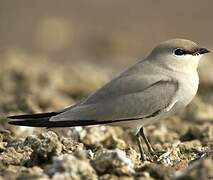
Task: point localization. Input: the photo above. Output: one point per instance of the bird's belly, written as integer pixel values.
(136, 124)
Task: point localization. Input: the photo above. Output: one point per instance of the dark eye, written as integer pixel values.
(179, 52)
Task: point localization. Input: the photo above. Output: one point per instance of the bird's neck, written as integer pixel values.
(186, 67)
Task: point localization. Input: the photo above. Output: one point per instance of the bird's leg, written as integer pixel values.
(149, 146)
(140, 145)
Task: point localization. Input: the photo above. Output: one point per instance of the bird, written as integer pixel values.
(154, 88)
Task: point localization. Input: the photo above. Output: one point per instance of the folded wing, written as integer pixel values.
(99, 109)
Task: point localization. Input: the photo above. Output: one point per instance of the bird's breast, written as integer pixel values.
(188, 86)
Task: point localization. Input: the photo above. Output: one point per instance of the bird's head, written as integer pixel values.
(178, 53)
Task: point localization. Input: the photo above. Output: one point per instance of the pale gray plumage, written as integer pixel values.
(152, 89)
(115, 101)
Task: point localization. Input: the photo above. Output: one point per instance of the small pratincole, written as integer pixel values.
(155, 88)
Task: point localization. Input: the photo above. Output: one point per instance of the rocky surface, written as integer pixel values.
(184, 143)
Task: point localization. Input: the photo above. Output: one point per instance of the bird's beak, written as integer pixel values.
(203, 51)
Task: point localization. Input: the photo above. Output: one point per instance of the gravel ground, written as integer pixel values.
(184, 143)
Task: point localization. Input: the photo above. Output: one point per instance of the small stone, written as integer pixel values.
(112, 161)
(14, 156)
(44, 147)
(93, 136)
(70, 146)
(133, 155)
(190, 146)
(70, 167)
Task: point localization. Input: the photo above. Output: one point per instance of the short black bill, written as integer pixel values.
(203, 51)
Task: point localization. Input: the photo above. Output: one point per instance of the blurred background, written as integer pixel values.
(104, 32)
(81, 44)
(54, 53)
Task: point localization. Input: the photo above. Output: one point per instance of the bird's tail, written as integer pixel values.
(34, 120)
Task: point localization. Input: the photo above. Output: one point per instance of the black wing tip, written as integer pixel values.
(33, 116)
(15, 117)
(30, 123)
(18, 122)
(13, 122)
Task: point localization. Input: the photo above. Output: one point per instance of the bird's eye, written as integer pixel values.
(179, 52)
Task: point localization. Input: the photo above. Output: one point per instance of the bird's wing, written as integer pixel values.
(126, 97)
